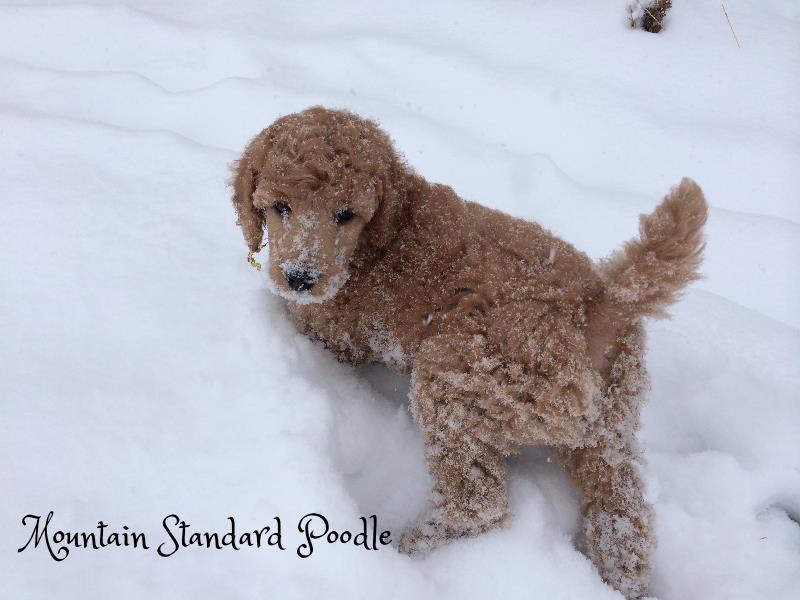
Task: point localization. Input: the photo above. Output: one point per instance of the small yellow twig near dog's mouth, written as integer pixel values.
(251, 258)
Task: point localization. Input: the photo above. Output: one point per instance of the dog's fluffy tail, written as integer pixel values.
(648, 274)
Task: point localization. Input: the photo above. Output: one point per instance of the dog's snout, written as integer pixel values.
(300, 278)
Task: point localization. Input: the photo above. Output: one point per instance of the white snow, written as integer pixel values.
(147, 370)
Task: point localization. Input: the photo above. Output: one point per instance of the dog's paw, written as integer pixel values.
(434, 532)
(419, 540)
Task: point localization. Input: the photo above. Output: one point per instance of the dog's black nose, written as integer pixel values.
(301, 279)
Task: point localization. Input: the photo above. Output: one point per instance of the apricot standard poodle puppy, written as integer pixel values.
(512, 337)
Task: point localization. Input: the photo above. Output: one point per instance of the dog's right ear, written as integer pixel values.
(245, 171)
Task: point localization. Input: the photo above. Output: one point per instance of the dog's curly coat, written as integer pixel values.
(512, 336)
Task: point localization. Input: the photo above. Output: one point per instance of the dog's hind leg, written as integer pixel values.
(468, 468)
(618, 522)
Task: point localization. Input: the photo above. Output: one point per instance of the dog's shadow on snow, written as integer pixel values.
(378, 449)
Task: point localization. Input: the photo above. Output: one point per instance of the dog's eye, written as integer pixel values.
(343, 216)
(282, 208)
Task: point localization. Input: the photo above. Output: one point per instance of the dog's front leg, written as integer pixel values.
(467, 466)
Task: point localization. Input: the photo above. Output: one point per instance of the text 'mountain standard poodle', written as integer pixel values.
(512, 337)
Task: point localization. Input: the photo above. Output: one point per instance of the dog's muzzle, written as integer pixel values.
(300, 277)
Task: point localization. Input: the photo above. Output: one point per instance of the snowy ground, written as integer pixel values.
(146, 370)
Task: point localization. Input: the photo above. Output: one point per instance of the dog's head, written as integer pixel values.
(322, 182)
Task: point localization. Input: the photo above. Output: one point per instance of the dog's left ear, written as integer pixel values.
(245, 171)
(391, 196)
